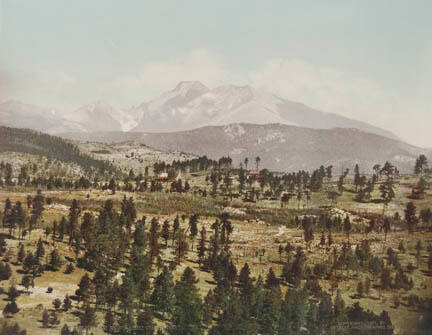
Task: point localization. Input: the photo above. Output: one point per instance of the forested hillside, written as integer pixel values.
(37, 143)
(280, 147)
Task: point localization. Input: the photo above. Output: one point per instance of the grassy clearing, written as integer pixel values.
(257, 226)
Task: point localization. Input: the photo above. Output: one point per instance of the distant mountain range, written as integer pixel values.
(188, 106)
(239, 121)
(192, 105)
(280, 147)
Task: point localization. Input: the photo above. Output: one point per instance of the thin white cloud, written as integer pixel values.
(408, 114)
(156, 77)
(327, 89)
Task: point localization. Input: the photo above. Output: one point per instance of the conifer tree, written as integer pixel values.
(112, 186)
(74, 213)
(54, 229)
(356, 177)
(347, 227)
(339, 310)
(367, 285)
(209, 307)
(57, 303)
(385, 279)
(38, 204)
(26, 281)
(289, 249)
(40, 250)
(325, 311)
(18, 218)
(29, 201)
(193, 228)
(271, 280)
(163, 294)
(62, 228)
(65, 330)
(67, 303)
(227, 228)
(387, 227)
(176, 227)
(84, 288)
(109, 323)
(360, 289)
(45, 319)
(3, 245)
(322, 240)
(187, 313)
(88, 318)
(165, 232)
(244, 279)
(154, 239)
(202, 247)
(145, 323)
(29, 262)
(55, 260)
(410, 216)
(21, 254)
(387, 190)
(7, 213)
(11, 308)
(181, 246)
(308, 234)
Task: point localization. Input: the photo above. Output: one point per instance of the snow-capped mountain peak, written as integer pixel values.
(101, 116)
(184, 87)
(189, 105)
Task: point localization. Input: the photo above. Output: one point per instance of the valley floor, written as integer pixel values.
(254, 241)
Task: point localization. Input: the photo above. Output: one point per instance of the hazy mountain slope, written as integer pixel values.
(280, 147)
(191, 105)
(166, 113)
(102, 117)
(17, 114)
(93, 117)
(36, 143)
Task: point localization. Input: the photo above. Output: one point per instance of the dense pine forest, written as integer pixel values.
(199, 246)
(37, 143)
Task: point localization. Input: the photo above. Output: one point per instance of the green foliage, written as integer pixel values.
(88, 318)
(5, 271)
(53, 147)
(12, 329)
(13, 293)
(163, 294)
(55, 261)
(421, 165)
(11, 308)
(410, 216)
(187, 312)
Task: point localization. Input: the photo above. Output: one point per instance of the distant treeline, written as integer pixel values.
(193, 165)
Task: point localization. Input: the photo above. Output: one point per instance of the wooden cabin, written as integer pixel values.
(163, 177)
(253, 175)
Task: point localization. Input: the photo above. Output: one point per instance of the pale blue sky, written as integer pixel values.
(369, 60)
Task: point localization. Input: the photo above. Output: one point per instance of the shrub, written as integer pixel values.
(11, 308)
(320, 270)
(69, 268)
